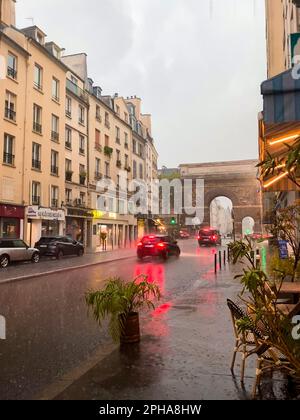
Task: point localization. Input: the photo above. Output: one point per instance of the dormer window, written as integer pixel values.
(40, 37)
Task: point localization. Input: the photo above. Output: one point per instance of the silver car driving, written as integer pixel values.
(16, 250)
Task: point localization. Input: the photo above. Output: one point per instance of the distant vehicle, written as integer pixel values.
(184, 234)
(59, 246)
(209, 237)
(12, 250)
(157, 246)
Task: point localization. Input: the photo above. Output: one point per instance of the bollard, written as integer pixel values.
(224, 258)
(216, 264)
(258, 259)
(220, 259)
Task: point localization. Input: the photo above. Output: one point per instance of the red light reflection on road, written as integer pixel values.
(162, 310)
(154, 272)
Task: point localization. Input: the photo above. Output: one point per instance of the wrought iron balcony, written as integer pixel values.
(8, 158)
(37, 127)
(69, 176)
(54, 170)
(54, 203)
(36, 164)
(36, 200)
(76, 90)
(11, 72)
(54, 136)
(10, 114)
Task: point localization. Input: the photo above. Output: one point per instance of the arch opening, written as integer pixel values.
(248, 224)
(221, 215)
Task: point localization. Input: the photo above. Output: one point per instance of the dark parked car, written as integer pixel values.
(157, 246)
(16, 250)
(209, 237)
(59, 246)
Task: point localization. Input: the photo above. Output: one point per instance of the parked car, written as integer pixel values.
(12, 250)
(157, 246)
(209, 237)
(184, 234)
(59, 246)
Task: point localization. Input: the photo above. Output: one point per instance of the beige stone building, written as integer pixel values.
(282, 20)
(61, 137)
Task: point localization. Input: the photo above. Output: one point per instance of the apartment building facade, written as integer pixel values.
(60, 139)
(279, 123)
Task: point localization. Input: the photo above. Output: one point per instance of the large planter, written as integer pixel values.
(131, 334)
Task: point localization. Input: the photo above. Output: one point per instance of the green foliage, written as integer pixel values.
(118, 299)
(242, 250)
(287, 161)
(260, 295)
(283, 268)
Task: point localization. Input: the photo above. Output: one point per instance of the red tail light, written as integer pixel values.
(140, 244)
(199, 237)
(161, 245)
(214, 238)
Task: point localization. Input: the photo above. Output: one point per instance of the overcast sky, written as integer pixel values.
(197, 65)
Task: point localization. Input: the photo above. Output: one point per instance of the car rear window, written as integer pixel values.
(6, 244)
(47, 240)
(151, 240)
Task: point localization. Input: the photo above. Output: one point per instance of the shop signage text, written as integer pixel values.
(39, 213)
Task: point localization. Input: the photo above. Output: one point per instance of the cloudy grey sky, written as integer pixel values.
(197, 64)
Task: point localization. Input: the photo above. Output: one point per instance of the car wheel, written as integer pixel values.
(59, 255)
(80, 253)
(35, 258)
(140, 257)
(4, 261)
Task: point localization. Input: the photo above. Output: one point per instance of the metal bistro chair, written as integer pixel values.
(245, 341)
(253, 342)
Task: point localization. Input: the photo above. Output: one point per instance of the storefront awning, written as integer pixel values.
(281, 96)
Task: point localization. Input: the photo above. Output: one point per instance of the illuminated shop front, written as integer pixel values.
(44, 222)
(11, 221)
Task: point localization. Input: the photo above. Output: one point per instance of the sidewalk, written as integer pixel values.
(48, 266)
(185, 354)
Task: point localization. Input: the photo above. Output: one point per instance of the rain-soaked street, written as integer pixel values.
(186, 343)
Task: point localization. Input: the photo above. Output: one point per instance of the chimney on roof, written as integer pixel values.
(116, 95)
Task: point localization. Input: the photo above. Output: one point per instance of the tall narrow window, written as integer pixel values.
(68, 107)
(118, 139)
(38, 77)
(55, 128)
(36, 193)
(55, 89)
(69, 172)
(54, 196)
(98, 140)
(10, 106)
(98, 168)
(81, 115)
(81, 144)
(37, 119)
(36, 156)
(12, 66)
(68, 138)
(54, 162)
(8, 150)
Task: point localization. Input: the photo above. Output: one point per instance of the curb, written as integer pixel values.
(62, 270)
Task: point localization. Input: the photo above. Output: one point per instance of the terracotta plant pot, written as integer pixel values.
(131, 334)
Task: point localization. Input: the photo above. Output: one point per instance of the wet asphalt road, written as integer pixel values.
(186, 347)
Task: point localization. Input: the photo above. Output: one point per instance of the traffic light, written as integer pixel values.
(173, 221)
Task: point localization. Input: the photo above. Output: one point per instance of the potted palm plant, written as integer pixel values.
(120, 302)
